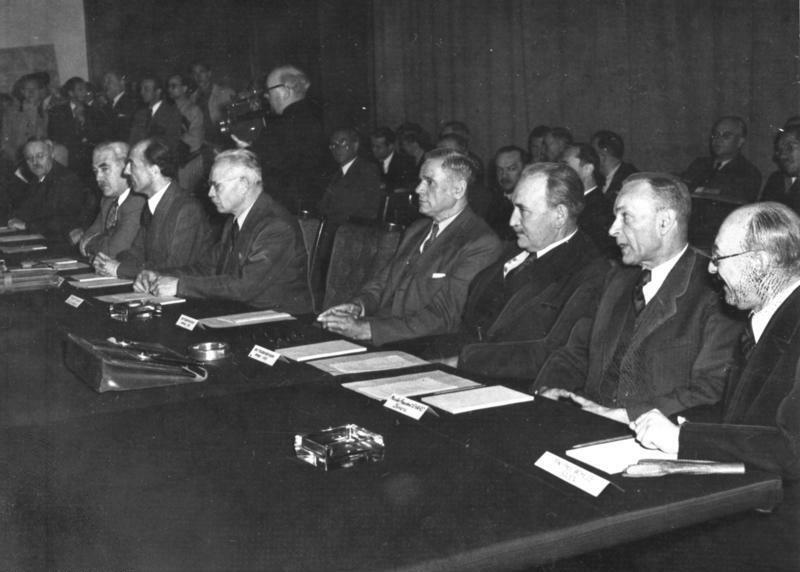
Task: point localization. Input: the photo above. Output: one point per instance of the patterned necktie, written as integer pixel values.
(638, 295)
(111, 217)
(432, 237)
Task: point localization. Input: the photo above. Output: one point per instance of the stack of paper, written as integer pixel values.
(375, 361)
(475, 399)
(20, 238)
(409, 385)
(97, 282)
(139, 297)
(321, 350)
(245, 319)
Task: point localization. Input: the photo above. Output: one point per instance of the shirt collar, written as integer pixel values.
(556, 244)
(610, 176)
(153, 201)
(387, 162)
(659, 274)
(124, 195)
(346, 166)
(156, 105)
(117, 98)
(759, 320)
(243, 215)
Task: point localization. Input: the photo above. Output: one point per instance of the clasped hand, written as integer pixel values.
(345, 319)
(151, 282)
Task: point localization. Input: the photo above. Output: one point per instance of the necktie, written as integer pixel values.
(146, 217)
(522, 265)
(111, 217)
(234, 233)
(434, 233)
(747, 342)
(638, 295)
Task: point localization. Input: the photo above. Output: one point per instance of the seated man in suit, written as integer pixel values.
(117, 223)
(726, 174)
(174, 228)
(158, 118)
(659, 337)
(610, 149)
(423, 289)
(52, 200)
(596, 218)
(398, 171)
(525, 305)
(355, 188)
(782, 186)
(260, 258)
(757, 257)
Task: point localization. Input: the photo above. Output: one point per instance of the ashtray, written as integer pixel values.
(339, 447)
(209, 351)
(134, 310)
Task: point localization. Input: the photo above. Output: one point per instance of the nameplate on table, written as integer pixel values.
(264, 355)
(406, 406)
(74, 301)
(60, 281)
(571, 473)
(186, 322)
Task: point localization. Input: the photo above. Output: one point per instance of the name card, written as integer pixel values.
(406, 406)
(186, 322)
(264, 355)
(60, 281)
(74, 301)
(571, 473)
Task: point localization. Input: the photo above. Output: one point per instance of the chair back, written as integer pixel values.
(359, 250)
(312, 228)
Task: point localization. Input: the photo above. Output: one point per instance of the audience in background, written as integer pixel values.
(555, 141)
(610, 149)
(783, 186)
(158, 118)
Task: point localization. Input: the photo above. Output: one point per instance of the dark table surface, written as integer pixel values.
(204, 476)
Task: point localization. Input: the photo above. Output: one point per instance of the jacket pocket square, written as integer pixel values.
(436, 275)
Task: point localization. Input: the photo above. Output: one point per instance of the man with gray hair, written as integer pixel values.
(292, 146)
(422, 290)
(756, 255)
(659, 337)
(260, 258)
(117, 223)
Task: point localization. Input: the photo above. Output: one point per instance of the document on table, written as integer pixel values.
(88, 277)
(61, 264)
(245, 319)
(20, 238)
(410, 384)
(475, 399)
(139, 297)
(103, 282)
(375, 361)
(321, 350)
(615, 456)
(22, 249)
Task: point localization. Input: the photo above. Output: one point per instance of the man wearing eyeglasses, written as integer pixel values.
(757, 258)
(726, 174)
(660, 339)
(354, 189)
(782, 185)
(260, 258)
(291, 148)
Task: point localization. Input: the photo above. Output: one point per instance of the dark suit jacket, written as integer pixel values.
(679, 351)
(120, 237)
(423, 294)
(761, 410)
(596, 220)
(357, 193)
(62, 127)
(402, 173)
(559, 290)
(166, 123)
(624, 171)
(266, 267)
(121, 117)
(55, 206)
(293, 152)
(177, 235)
(737, 181)
(779, 188)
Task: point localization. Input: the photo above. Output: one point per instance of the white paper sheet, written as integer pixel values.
(20, 238)
(616, 456)
(321, 350)
(374, 361)
(139, 297)
(474, 399)
(409, 385)
(106, 282)
(246, 319)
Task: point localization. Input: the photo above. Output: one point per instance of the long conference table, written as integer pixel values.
(203, 476)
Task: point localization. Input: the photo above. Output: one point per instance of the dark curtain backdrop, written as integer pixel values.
(658, 72)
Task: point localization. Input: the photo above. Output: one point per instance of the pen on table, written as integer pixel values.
(601, 441)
